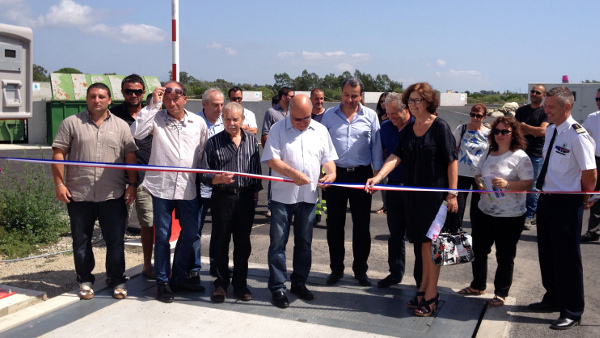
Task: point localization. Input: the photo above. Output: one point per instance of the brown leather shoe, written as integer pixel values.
(219, 295)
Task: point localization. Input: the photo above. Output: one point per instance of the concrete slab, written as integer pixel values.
(22, 299)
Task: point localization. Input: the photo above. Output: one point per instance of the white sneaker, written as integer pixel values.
(527, 225)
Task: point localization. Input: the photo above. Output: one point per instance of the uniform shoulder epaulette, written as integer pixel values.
(578, 128)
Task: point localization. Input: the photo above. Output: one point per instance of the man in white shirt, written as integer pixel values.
(178, 140)
(592, 125)
(297, 147)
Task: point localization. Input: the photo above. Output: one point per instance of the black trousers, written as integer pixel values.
(505, 233)
(360, 208)
(594, 221)
(454, 220)
(112, 216)
(559, 232)
(232, 214)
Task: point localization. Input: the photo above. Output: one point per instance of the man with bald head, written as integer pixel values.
(178, 140)
(232, 201)
(297, 147)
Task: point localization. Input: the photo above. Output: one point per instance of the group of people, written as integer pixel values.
(313, 147)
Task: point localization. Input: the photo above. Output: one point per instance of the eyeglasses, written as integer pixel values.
(476, 115)
(504, 132)
(537, 92)
(301, 119)
(415, 101)
(177, 91)
(137, 92)
(598, 99)
(236, 98)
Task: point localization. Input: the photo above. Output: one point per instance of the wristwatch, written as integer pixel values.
(135, 184)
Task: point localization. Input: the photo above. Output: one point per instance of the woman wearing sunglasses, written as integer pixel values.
(471, 144)
(499, 218)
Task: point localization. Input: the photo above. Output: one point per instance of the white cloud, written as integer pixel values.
(312, 55)
(141, 34)
(67, 14)
(231, 51)
(342, 67)
(214, 45)
(361, 56)
(440, 62)
(285, 54)
(16, 11)
(338, 53)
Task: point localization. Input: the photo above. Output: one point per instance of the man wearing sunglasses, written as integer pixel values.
(134, 91)
(534, 122)
(235, 95)
(179, 139)
(592, 125)
(297, 147)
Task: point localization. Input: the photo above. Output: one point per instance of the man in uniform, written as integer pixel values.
(569, 165)
(534, 122)
(354, 130)
(133, 90)
(96, 135)
(297, 147)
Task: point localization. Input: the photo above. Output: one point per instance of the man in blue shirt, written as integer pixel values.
(399, 117)
(354, 130)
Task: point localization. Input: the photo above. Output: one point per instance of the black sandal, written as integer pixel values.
(415, 303)
(426, 310)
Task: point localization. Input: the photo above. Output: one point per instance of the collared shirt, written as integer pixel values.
(213, 129)
(175, 143)
(144, 145)
(592, 125)
(272, 116)
(305, 151)
(82, 140)
(356, 142)
(389, 139)
(571, 153)
(221, 153)
(249, 119)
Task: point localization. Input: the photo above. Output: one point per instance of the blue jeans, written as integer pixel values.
(532, 199)
(281, 219)
(188, 220)
(195, 262)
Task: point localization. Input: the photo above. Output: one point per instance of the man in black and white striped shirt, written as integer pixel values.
(233, 199)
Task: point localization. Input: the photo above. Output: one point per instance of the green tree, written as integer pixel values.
(282, 80)
(306, 81)
(68, 70)
(40, 74)
(592, 81)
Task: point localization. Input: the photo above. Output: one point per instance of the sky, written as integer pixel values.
(453, 45)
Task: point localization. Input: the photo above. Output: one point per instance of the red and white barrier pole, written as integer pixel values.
(175, 38)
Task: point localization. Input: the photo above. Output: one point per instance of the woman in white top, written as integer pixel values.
(471, 144)
(499, 218)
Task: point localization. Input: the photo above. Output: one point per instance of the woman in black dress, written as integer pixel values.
(427, 150)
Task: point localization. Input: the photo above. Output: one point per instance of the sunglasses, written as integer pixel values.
(137, 92)
(236, 98)
(170, 90)
(537, 92)
(504, 132)
(476, 115)
(303, 119)
(598, 99)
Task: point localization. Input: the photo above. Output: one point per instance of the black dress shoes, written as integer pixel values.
(334, 277)
(387, 282)
(164, 293)
(302, 292)
(563, 323)
(363, 280)
(280, 300)
(543, 307)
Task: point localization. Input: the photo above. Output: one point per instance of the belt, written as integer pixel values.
(352, 169)
(231, 190)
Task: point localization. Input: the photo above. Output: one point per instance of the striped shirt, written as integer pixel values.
(221, 153)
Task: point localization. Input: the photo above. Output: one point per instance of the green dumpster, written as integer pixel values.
(69, 91)
(12, 131)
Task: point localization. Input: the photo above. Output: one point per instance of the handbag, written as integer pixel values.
(452, 248)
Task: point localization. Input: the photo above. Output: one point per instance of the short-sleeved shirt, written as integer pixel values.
(592, 126)
(316, 117)
(272, 116)
(471, 146)
(305, 151)
(356, 142)
(82, 140)
(572, 152)
(389, 139)
(511, 166)
(249, 119)
(144, 145)
(534, 118)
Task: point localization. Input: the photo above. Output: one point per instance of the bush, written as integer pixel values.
(30, 214)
